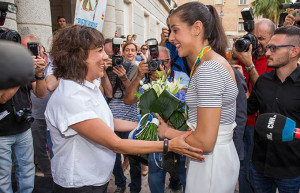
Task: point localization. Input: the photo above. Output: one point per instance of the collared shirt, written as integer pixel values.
(261, 67)
(77, 160)
(272, 158)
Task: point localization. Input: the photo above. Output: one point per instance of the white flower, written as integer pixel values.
(145, 87)
(141, 83)
(157, 89)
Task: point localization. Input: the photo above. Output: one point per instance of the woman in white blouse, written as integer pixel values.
(80, 121)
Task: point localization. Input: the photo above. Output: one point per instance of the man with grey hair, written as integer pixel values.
(156, 175)
(252, 66)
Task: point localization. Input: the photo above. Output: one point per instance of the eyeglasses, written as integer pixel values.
(165, 61)
(274, 47)
(144, 49)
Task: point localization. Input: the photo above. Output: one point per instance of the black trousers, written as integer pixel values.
(84, 189)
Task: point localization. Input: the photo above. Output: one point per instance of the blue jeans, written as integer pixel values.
(135, 170)
(157, 176)
(245, 178)
(264, 184)
(21, 146)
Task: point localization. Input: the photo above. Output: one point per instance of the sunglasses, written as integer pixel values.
(144, 49)
(274, 47)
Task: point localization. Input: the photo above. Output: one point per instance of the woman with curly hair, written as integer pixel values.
(80, 121)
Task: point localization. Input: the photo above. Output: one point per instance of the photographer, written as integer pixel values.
(253, 66)
(120, 77)
(15, 132)
(156, 176)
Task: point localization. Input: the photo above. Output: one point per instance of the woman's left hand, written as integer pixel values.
(178, 145)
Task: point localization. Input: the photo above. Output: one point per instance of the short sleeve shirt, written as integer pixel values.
(77, 160)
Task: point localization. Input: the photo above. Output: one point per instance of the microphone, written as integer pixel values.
(276, 127)
(16, 65)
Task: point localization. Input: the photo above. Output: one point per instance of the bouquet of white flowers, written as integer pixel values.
(162, 97)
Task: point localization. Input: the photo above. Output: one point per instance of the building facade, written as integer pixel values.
(230, 13)
(145, 18)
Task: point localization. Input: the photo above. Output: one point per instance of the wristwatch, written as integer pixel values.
(40, 78)
(248, 69)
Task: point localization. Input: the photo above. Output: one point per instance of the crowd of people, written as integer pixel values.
(82, 108)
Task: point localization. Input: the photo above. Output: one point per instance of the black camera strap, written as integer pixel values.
(28, 97)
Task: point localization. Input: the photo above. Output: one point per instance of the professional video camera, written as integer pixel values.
(154, 63)
(5, 33)
(117, 58)
(242, 44)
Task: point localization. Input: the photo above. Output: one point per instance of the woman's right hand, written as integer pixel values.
(178, 145)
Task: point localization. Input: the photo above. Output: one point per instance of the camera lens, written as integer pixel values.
(242, 44)
(10, 35)
(29, 119)
(118, 61)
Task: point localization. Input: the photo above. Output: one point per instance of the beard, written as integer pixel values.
(277, 63)
(261, 51)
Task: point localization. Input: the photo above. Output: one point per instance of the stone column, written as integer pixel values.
(120, 16)
(34, 17)
(10, 21)
(109, 25)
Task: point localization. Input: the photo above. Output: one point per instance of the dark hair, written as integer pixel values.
(107, 40)
(70, 50)
(59, 17)
(213, 30)
(292, 32)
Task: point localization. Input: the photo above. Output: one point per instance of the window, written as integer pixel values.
(219, 2)
(241, 26)
(243, 2)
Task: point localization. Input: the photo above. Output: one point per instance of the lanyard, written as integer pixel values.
(198, 59)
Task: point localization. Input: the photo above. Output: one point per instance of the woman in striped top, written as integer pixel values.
(197, 33)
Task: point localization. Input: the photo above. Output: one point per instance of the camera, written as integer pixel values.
(24, 115)
(117, 58)
(6, 34)
(153, 47)
(242, 44)
(282, 16)
(295, 5)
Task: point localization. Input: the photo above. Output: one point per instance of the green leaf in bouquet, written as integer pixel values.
(177, 119)
(168, 103)
(146, 100)
(184, 127)
(137, 95)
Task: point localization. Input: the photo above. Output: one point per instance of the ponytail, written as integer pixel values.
(217, 39)
(213, 29)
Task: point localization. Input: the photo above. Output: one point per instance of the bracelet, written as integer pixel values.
(166, 146)
(40, 78)
(248, 69)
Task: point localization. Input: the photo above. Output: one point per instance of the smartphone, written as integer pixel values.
(34, 48)
(296, 15)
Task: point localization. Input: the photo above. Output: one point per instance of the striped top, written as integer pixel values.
(212, 86)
